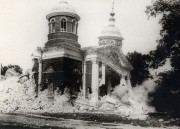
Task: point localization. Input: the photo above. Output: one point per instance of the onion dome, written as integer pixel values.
(111, 30)
(63, 8)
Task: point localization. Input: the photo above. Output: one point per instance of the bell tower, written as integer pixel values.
(60, 60)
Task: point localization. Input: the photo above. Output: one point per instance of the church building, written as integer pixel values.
(63, 64)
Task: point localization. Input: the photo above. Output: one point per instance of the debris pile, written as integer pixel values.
(20, 97)
(128, 103)
(11, 72)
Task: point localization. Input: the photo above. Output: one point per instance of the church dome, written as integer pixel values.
(63, 8)
(111, 31)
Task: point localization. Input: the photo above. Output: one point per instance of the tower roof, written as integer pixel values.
(111, 30)
(63, 8)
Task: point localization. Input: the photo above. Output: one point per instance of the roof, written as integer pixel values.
(111, 31)
(108, 50)
(63, 8)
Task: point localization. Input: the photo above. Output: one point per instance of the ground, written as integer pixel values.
(81, 121)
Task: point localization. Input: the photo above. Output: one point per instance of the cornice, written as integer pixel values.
(62, 14)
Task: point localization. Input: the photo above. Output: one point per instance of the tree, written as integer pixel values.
(167, 95)
(170, 32)
(140, 64)
(3, 69)
(166, 98)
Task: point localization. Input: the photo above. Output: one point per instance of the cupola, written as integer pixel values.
(110, 34)
(63, 24)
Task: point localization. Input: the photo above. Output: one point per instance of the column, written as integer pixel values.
(129, 84)
(84, 79)
(109, 87)
(39, 74)
(95, 81)
(103, 73)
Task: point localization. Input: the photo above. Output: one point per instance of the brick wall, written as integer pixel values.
(66, 71)
(63, 35)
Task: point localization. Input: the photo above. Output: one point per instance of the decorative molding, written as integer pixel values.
(55, 52)
(111, 54)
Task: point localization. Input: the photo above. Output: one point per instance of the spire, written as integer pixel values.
(112, 12)
(63, 1)
(112, 19)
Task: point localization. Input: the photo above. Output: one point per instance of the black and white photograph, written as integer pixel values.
(89, 64)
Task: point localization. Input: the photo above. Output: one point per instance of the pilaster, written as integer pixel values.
(103, 73)
(84, 79)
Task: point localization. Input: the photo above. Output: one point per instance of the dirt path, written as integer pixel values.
(32, 121)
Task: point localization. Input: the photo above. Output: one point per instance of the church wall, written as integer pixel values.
(63, 35)
(56, 42)
(66, 72)
(69, 26)
(57, 26)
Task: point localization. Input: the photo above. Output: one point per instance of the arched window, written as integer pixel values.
(52, 25)
(63, 24)
(74, 26)
(103, 42)
(112, 42)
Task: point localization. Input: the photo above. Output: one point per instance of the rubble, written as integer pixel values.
(11, 72)
(20, 97)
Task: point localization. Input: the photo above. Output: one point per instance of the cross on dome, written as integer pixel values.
(63, 1)
(112, 19)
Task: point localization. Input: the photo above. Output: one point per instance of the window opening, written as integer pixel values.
(63, 24)
(52, 26)
(74, 26)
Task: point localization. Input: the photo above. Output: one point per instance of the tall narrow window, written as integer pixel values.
(52, 25)
(63, 24)
(74, 26)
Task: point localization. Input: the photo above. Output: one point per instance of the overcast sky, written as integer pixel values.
(23, 26)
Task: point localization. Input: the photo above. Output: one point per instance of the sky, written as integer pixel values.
(23, 26)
